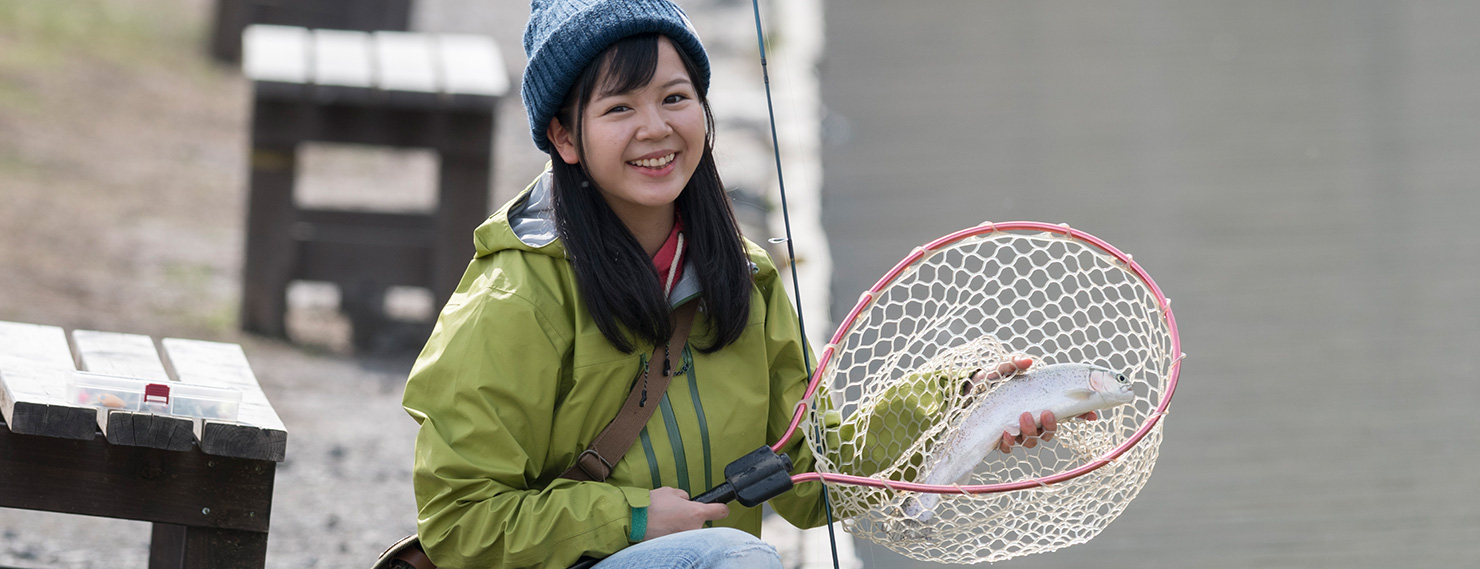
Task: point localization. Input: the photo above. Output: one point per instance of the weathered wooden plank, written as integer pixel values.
(270, 254)
(404, 62)
(342, 58)
(276, 53)
(149, 430)
(183, 547)
(233, 16)
(22, 343)
(98, 478)
(132, 356)
(258, 433)
(125, 355)
(35, 364)
(460, 209)
(471, 65)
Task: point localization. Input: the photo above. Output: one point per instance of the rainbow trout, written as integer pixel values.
(1068, 390)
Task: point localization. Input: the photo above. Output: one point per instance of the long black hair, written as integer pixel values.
(613, 272)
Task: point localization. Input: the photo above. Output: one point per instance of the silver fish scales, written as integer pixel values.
(1067, 390)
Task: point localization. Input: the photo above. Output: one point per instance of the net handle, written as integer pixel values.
(867, 298)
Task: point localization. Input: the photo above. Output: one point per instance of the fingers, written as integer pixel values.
(1029, 430)
(1090, 416)
(1008, 368)
(706, 512)
(976, 379)
(671, 511)
(712, 512)
(669, 492)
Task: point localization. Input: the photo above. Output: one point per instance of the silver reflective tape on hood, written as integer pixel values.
(687, 286)
(533, 218)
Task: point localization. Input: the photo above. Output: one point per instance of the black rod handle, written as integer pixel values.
(722, 494)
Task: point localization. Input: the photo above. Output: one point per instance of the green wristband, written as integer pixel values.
(639, 525)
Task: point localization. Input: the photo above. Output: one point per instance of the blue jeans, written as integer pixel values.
(709, 548)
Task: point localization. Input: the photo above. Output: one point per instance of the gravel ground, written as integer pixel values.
(122, 190)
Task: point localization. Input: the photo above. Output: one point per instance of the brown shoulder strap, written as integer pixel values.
(595, 463)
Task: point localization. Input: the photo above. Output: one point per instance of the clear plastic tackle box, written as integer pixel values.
(106, 392)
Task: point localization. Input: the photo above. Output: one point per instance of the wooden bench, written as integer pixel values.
(391, 89)
(206, 485)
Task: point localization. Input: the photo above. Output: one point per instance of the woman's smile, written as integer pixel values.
(660, 163)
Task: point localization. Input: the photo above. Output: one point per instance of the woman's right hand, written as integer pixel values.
(671, 511)
(1028, 433)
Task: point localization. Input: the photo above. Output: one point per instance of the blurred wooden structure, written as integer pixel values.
(206, 485)
(233, 16)
(392, 89)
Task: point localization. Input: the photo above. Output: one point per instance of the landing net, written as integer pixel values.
(895, 373)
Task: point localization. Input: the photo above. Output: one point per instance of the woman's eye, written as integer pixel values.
(617, 109)
(675, 98)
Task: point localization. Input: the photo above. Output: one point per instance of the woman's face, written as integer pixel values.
(643, 145)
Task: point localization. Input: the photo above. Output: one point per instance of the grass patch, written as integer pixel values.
(42, 32)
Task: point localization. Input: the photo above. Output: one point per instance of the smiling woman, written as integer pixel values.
(603, 260)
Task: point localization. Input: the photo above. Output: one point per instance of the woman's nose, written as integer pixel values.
(654, 125)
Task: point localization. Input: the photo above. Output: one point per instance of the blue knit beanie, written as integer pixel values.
(563, 36)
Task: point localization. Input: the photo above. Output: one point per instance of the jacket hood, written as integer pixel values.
(526, 223)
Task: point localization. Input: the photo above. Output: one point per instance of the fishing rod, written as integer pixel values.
(760, 461)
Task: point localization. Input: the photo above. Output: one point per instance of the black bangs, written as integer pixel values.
(628, 64)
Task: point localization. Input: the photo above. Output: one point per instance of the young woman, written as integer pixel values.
(571, 288)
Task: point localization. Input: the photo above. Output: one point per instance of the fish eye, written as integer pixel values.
(1120, 377)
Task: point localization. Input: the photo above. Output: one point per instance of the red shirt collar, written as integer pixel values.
(664, 260)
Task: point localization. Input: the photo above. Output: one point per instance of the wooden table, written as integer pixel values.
(382, 89)
(205, 485)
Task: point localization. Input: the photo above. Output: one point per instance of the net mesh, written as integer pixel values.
(895, 381)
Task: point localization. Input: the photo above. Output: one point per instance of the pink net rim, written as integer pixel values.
(1151, 421)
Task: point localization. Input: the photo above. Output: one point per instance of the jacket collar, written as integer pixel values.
(532, 219)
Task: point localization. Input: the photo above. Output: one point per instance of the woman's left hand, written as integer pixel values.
(1013, 366)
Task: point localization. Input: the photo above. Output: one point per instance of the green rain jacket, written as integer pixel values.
(517, 379)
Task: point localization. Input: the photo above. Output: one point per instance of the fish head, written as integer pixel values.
(1114, 386)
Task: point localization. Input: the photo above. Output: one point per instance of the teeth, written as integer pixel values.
(653, 162)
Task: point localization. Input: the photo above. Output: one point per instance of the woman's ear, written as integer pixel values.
(564, 144)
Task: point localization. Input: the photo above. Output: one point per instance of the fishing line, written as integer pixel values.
(791, 259)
